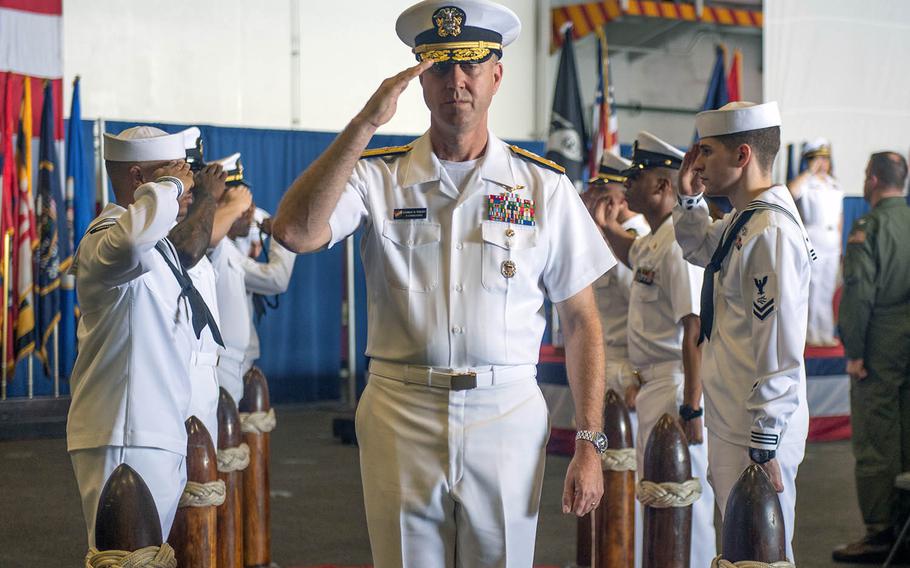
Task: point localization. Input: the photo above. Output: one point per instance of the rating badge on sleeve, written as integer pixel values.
(763, 304)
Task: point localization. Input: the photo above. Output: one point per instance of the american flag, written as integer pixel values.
(605, 122)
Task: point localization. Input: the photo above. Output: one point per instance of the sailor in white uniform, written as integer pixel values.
(820, 201)
(131, 383)
(238, 276)
(464, 237)
(754, 300)
(191, 237)
(663, 324)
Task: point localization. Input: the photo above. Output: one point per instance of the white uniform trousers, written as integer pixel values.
(662, 393)
(620, 374)
(726, 462)
(204, 392)
(452, 478)
(162, 471)
(822, 286)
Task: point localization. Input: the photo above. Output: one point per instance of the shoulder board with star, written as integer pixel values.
(387, 153)
(542, 162)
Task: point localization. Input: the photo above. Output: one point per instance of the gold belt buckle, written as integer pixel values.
(465, 381)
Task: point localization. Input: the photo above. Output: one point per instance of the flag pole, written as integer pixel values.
(99, 165)
(31, 376)
(56, 361)
(6, 277)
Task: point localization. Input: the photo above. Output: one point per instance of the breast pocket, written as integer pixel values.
(645, 296)
(507, 251)
(411, 254)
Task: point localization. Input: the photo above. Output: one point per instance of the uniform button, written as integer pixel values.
(457, 330)
(459, 288)
(510, 232)
(410, 242)
(459, 246)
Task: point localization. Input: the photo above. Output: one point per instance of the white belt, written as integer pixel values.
(647, 373)
(230, 358)
(453, 379)
(203, 359)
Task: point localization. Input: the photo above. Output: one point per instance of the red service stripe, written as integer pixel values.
(49, 7)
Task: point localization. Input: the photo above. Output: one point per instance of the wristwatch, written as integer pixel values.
(599, 439)
(687, 413)
(761, 456)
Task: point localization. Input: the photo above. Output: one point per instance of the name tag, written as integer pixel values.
(410, 213)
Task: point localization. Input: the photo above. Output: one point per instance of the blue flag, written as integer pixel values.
(80, 209)
(51, 247)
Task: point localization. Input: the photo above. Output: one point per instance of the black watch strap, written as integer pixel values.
(687, 413)
(760, 456)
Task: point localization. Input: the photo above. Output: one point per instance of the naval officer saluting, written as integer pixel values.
(754, 301)
(140, 319)
(464, 237)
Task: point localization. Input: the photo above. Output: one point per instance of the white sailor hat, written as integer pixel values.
(463, 31)
(736, 117)
(233, 167)
(611, 169)
(649, 151)
(144, 144)
(816, 148)
(192, 141)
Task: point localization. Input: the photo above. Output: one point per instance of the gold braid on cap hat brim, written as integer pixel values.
(608, 178)
(456, 50)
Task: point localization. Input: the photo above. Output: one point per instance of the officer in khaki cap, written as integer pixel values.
(464, 237)
(874, 320)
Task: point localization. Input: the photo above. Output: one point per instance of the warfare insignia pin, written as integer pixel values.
(645, 275)
(448, 21)
(763, 304)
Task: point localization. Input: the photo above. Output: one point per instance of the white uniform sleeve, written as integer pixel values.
(119, 251)
(578, 254)
(770, 258)
(696, 232)
(351, 211)
(684, 282)
(270, 277)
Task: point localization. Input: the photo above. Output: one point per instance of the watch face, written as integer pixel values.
(600, 441)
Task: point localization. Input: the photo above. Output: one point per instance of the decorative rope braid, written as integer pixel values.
(669, 494)
(721, 563)
(619, 460)
(197, 494)
(233, 459)
(257, 422)
(148, 557)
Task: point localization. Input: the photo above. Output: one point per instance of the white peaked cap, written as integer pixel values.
(229, 163)
(736, 117)
(647, 142)
(614, 162)
(817, 147)
(144, 144)
(190, 135)
(479, 16)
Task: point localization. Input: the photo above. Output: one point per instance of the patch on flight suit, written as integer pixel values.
(765, 291)
(388, 153)
(410, 213)
(857, 236)
(645, 275)
(534, 158)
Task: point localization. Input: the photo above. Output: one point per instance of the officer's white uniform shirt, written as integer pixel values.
(437, 295)
(612, 293)
(130, 383)
(268, 279)
(821, 205)
(665, 289)
(754, 359)
(236, 275)
(203, 360)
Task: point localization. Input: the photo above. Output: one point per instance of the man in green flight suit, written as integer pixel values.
(874, 325)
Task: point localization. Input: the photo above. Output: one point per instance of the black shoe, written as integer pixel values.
(872, 549)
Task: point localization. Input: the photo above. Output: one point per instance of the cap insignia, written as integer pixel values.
(448, 21)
